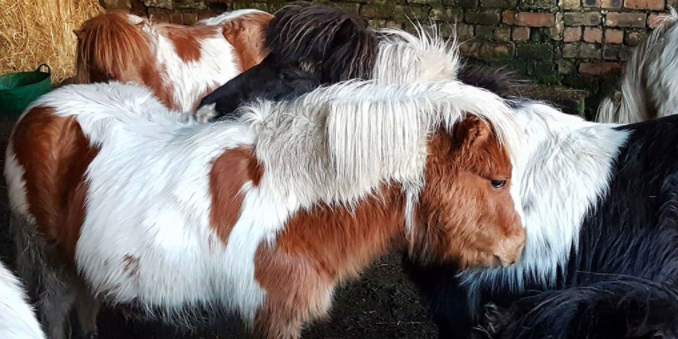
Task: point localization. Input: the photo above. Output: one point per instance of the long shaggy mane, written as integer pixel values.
(325, 38)
(108, 43)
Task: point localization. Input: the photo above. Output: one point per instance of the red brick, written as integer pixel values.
(636, 20)
(614, 36)
(593, 34)
(645, 4)
(509, 17)
(655, 20)
(535, 19)
(572, 34)
(599, 68)
(521, 33)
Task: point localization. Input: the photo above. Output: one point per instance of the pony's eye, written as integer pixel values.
(498, 184)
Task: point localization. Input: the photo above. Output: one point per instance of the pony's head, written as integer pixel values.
(323, 39)
(115, 45)
(466, 204)
(268, 80)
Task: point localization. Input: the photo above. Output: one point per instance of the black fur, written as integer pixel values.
(314, 44)
(496, 80)
(623, 308)
(632, 231)
(291, 82)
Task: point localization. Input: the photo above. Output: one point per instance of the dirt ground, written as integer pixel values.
(382, 304)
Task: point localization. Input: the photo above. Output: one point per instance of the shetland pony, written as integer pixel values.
(17, 320)
(329, 45)
(601, 215)
(126, 202)
(180, 64)
(648, 88)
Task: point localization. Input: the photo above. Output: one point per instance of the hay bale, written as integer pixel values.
(41, 31)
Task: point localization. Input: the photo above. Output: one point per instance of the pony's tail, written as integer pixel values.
(625, 308)
(636, 103)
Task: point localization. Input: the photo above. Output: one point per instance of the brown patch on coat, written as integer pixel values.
(54, 154)
(187, 39)
(484, 229)
(230, 172)
(246, 34)
(319, 248)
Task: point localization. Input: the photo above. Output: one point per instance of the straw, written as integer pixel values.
(33, 32)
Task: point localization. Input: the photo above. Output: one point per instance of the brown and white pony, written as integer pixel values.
(125, 202)
(180, 64)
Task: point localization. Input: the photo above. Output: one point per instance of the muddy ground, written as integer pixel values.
(382, 304)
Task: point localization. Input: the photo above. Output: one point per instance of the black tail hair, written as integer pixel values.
(624, 308)
(325, 37)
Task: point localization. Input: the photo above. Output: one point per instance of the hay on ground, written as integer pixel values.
(33, 32)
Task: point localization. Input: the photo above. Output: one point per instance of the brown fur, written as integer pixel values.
(484, 228)
(461, 217)
(55, 154)
(246, 34)
(319, 248)
(112, 48)
(229, 174)
(187, 39)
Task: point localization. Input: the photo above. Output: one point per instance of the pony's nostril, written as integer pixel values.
(496, 261)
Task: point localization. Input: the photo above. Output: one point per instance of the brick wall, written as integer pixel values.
(577, 43)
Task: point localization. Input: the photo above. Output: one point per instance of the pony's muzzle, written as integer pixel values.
(510, 249)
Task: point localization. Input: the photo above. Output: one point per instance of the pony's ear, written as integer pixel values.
(78, 33)
(472, 133)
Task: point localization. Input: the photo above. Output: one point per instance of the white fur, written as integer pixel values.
(17, 318)
(149, 196)
(649, 88)
(15, 185)
(403, 57)
(229, 16)
(217, 65)
(563, 170)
